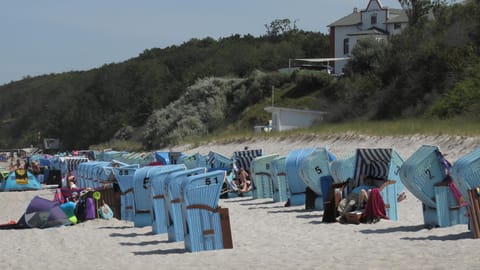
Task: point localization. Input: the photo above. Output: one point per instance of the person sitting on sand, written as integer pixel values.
(244, 180)
(243, 177)
(35, 168)
(71, 182)
(19, 165)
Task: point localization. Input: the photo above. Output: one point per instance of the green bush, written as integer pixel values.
(464, 99)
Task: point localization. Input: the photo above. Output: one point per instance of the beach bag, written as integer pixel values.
(105, 211)
(80, 209)
(89, 208)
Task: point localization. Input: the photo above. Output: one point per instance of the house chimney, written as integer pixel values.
(355, 10)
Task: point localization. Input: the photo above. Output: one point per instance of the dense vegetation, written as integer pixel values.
(84, 108)
(201, 87)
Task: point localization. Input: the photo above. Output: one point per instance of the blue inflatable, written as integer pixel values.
(19, 180)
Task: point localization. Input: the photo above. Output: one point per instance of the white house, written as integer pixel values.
(374, 21)
(286, 118)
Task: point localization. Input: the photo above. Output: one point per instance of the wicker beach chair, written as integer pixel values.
(262, 177)
(297, 187)
(343, 168)
(141, 195)
(315, 173)
(466, 176)
(423, 174)
(466, 172)
(193, 161)
(380, 163)
(173, 202)
(244, 158)
(124, 178)
(281, 191)
(157, 176)
(218, 161)
(202, 224)
(101, 174)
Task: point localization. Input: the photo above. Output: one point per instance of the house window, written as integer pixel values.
(397, 26)
(346, 48)
(373, 19)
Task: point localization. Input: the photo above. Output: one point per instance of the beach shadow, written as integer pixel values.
(414, 228)
(258, 203)
(241, 200)
(450, 237)
(116, 227)
(130, 234)
(310, 216)
(145, 243)
(267, 207)
(160, 252)
(290, 210)
(316, 222)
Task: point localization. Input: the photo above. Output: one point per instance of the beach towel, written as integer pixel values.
(58, 197)
(375, 208)
(456, 193)
(448, 168)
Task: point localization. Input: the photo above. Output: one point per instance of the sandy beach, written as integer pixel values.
(266, 235)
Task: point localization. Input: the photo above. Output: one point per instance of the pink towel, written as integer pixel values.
(58, 197)
(375, 207)
(456, 193)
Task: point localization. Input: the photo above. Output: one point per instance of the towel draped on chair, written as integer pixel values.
(375, 207)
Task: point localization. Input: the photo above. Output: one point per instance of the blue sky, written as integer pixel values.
(54, 36)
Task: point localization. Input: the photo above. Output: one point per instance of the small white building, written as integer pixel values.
(375, 20)
(286, 118)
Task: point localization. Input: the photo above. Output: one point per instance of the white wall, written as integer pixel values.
(373, 8)
(285, 119)
(392, 31)
(340, 35)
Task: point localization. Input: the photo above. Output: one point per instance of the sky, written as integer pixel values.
(55, 36)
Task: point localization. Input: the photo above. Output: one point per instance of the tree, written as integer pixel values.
(368, 55)
(280, 26)
(415, 9)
